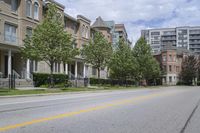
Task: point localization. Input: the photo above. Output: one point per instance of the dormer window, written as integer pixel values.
(28, 8)
(36, 11)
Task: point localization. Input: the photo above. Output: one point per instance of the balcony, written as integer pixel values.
(194, 32)
(168, 38)
(169, 34)
(195, 46)
(195, 42)
(194, 37)
(10, 40)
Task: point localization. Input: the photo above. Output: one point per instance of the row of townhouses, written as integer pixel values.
(170, 46)
(18, 18)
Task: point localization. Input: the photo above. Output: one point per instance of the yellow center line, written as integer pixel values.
(134, 100)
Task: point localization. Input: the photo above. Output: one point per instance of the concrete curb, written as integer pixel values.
(61, 93)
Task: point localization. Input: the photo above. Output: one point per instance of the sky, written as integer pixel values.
(138, 14)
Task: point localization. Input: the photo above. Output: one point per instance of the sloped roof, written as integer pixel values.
(99, 23)
(179, 50)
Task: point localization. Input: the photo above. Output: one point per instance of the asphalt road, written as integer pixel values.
(163, 110)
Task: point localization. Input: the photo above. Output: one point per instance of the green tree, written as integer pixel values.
(122, 63)
(148, 67)
(97, 52)
(189, 70)
(49, 42)
(198, 69)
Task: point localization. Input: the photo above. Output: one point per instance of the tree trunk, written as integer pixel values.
(98, 73)
(51, 76)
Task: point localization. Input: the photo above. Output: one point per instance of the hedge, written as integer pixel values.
(95, 81)
(198, 83)
(44, 79)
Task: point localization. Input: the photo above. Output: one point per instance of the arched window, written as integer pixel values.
(14, 5)
(36, 10)
(86, 32)
(28, 8)
(83, 31)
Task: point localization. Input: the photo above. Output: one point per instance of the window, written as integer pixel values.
(83, 31)
(155, 33)
(55, 67)
(164, 68)
(164, 57)
(170, 68)
(170, 57)
(86, 32)
(36, 10)
(10, 33)
(170, 79)
(64, 67)
(36, 66)
(28, 8)
(164, 80)
(175, 59)
(177, 69)
(74, 45)
(29, 32)
(58, 67)
(94, 71)
(14, 4)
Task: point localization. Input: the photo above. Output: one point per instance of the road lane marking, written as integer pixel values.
(134, 100)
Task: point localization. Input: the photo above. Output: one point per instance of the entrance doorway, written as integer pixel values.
(6, 66)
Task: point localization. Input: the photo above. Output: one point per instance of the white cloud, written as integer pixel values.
(138, 14)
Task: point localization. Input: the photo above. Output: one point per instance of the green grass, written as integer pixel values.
(6, 92)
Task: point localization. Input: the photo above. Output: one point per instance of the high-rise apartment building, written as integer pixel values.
(185, 37)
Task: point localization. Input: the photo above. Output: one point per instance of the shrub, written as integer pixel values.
(180, 83)
(198, 83)
(44, 79)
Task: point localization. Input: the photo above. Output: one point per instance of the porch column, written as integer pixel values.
(28, 69)
(66, 69)
(9, 62)
(84, 74)
(76, 69)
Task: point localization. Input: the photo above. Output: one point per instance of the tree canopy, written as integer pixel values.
(189, 70)
(122, 63)
(148, 66)
(49, 42)
(97, 52)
